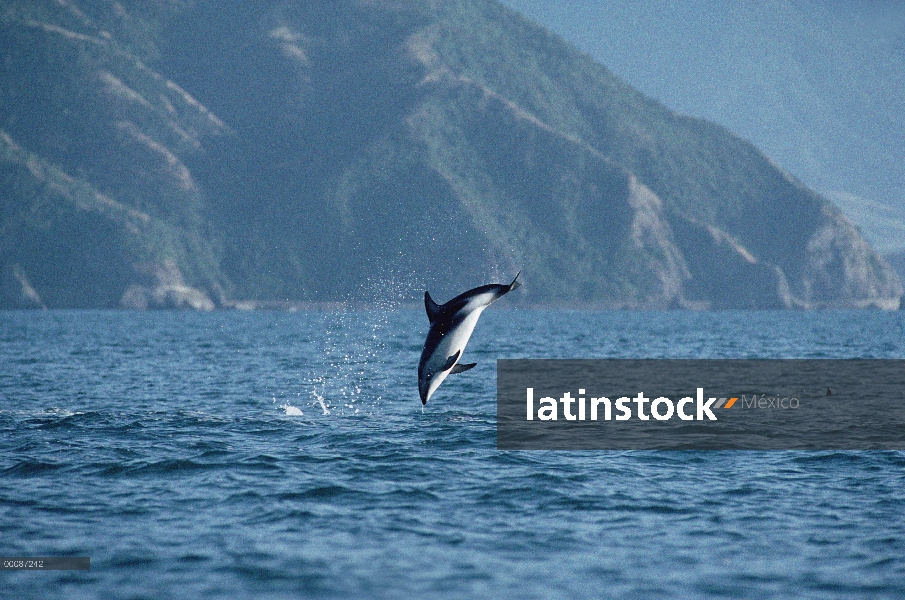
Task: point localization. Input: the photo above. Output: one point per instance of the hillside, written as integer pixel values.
(96, 199)
(896, 260)
(183, 154)
(815, 85)
(882, 225)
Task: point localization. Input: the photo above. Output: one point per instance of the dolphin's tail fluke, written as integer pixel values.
(515, 283)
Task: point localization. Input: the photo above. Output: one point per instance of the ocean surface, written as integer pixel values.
(286, 455)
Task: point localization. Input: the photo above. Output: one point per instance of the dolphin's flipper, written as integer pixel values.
(515, 282)
(432, 308)
(461, 368)
(451, 361)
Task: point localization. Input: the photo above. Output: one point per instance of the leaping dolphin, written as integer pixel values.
(451, 325)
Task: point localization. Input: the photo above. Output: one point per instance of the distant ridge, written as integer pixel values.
(197, 155)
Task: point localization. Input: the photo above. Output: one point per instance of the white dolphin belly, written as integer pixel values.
(457, 339)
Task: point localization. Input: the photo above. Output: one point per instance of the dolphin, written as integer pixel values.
(451, 325)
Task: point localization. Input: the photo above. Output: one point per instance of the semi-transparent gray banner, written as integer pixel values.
(701, 404)
(45, 563)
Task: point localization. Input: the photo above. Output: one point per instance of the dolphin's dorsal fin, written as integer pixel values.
(451, 361)
(461, 368)
(432, 308)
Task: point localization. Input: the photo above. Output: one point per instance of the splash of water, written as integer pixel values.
(292, 411)
(320, 400)
(353, 347)
(289, 410)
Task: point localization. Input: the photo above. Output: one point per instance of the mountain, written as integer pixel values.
(195, 154)
(96, 197)
(816, 85)
(882, 225)
(896, 260)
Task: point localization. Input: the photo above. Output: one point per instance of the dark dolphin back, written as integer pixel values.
(445, 317)
(454, 305)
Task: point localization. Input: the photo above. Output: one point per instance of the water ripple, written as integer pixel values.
(163, 446)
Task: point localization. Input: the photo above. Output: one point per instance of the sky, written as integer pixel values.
(818, 86)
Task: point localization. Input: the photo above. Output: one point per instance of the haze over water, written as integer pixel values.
(285, 455)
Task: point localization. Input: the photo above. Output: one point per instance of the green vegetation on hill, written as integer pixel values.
(297, 151)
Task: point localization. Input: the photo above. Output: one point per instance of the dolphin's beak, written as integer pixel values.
(423, 390)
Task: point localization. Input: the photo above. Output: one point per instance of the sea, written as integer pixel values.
(242, 454)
